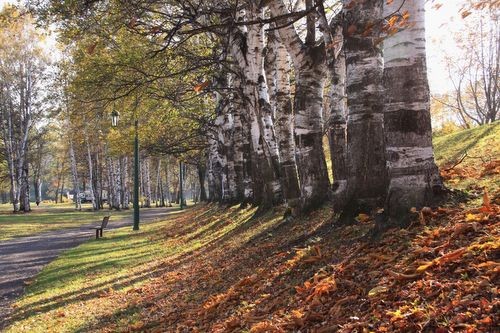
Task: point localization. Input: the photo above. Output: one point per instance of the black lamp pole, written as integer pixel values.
(181, 184)
(136, 176)
(114, 122)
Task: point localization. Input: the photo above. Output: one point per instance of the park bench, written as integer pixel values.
(98, 229)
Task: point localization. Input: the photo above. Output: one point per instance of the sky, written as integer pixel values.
(441, 24)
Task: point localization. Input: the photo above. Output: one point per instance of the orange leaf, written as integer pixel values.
(486, 321)
(451, 256)
(424, 267)
(201, 86)
(465, 13)
(421, 218)
(486, 202)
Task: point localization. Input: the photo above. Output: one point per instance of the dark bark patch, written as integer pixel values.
(407, 121)
(305, 140)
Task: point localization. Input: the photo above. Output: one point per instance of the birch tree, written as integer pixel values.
(278, 72)
(309, 65)
(247, 47)
(74, 175)
(365, 104)
(414, 179)
(22, 69)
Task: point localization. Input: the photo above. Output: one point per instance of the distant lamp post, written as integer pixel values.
(115, 116)
(181, 185)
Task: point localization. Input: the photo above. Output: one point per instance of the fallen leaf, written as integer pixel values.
(377, 291)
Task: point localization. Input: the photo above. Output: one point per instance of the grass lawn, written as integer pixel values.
(90, 282)
(49, 217)
(476, 169)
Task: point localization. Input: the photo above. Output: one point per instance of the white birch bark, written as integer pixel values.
(279, 71)
(337, 126)
(309, 64)
(265, 155)
(365, 122)
(239, 138)
(74, 176)
(146, 182)
(90, 170)
(223, 124)
(414, 179)
(159, 185)
(167, 183)
(124, 183)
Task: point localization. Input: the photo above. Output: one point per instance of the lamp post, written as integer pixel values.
(181, 184)
(114, 122)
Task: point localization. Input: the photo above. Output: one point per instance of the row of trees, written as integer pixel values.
(23, 73)
(280, 76)
(53, 143)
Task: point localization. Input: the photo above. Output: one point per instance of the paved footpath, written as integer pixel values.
(22, 258)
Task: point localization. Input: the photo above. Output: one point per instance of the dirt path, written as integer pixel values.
(22, 258)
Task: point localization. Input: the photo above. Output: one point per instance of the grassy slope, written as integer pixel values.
(47, 217)
(220, 270)
(482, 146)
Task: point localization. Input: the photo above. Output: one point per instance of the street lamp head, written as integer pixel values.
(114, 118)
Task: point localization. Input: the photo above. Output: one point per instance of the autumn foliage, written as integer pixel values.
(439, 275)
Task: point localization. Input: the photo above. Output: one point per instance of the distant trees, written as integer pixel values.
(22, 76)
(474, 73)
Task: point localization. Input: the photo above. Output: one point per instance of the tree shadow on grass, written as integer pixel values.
(465, 136)
(53, 277)
(216, 238)
(210, 253)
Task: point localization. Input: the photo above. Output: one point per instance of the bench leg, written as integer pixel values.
(100, 232)
(96, 233)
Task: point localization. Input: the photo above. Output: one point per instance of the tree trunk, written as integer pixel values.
(264, 150)
(241, 145)
(279, 65)
(214, 168)
(37, 184)
(167, 184)
(74, 174)
(25, 189)
(223, 126)
(146, 182)
(414, 179)
(91, 176)
(365, 123)
(309, 63)
(201, 178)
(337, 131)
(125, 193)
(59, 180)
(62, 190)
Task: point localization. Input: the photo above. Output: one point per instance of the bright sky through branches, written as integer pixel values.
(441, 25)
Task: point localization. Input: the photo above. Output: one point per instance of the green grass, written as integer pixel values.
(48, 217)
(478, 142)
(482, 145)
(63, 290)
(89, 282)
